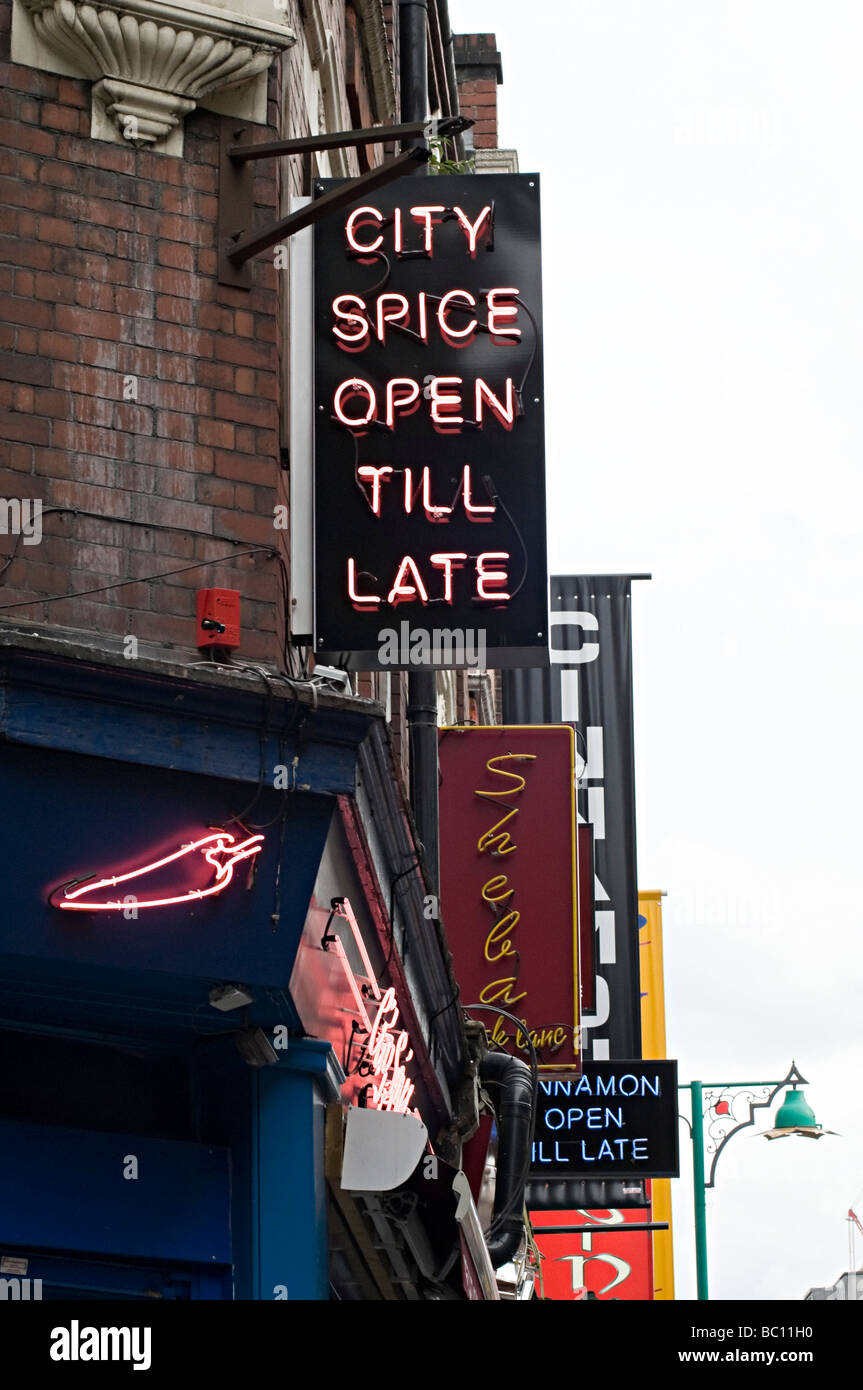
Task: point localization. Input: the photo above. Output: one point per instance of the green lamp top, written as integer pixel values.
(795, 1112)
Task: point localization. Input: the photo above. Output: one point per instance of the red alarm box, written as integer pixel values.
(218, 612)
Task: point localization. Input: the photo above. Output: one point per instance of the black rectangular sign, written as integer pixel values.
(615, 1120)
(430, 538)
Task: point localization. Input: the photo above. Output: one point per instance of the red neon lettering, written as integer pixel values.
(362, 325)
(212, 846)
(409, 490)
(477, 511)
(387, 1052)
(445, 400)
(363, 216)
(402, 590)
(485, 576)
(471, 229)
(445, 561)
(354, 384)
(425, 215)
(445, 327)
(375, 475)
(397, 231)
(434, 513)
(361, 601)
(500, 314)
(504, 413)
(399, 314)
(400, 402)
(423, 320)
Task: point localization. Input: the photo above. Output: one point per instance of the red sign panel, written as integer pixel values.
(605, 1260)
(508, 880)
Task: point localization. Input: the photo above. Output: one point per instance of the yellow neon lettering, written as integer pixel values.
(493, 891)
(498, 843)
(502, 990)
(500, 934)
(502, 772)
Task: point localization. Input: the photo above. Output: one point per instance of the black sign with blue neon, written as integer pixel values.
(614, 1120)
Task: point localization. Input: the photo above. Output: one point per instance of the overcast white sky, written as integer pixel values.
(703, 223)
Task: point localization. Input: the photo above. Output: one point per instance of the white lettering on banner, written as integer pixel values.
(592, 770)
(588, 651)
(606, 945)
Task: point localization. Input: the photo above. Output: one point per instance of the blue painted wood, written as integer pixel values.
(171, 723)
(290, 1198)
(64, 1189)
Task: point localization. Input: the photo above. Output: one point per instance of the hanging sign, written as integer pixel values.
(429, 444)
(615, 1120)
(508, 882)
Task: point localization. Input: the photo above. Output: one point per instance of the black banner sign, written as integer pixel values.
(615, 1120)
(429, 438)
(590, 686)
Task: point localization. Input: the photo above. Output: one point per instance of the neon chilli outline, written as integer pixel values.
(218, 842)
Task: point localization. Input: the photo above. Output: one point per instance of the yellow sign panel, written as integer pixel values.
(653, 1045)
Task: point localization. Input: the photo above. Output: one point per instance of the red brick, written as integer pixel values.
(61, 118)
(96, 153)
(26, 428)
(171, 425)
(91, 323)
(133, 419)
(97, 239)
(91, 294)
(15, 366)
(245, 440)
(189, 516)
(25, 284)
(216, 492)
(245, 354)
(32, 253)
(60, 345)
(133, 247)
(216, 432)
(257, 530)
(28, 195)
(74, 93)
(34, 141)
(217, 374)
(215, 316)
(98, 211)
(242, 468)
(135, 302)
(59, 289)
(26, 311)
(180, 257)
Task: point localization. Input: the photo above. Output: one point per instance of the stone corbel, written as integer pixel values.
(152, 61)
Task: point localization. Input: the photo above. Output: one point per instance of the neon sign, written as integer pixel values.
(219, 849)
(384, 1049)
(428, 424)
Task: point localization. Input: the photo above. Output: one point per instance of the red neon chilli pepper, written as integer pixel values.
(211, 847)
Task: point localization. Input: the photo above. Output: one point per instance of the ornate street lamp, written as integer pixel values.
(722, 1109)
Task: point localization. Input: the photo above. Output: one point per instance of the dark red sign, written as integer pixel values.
(508, 881)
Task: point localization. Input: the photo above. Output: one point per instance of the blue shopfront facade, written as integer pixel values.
(141, 1154)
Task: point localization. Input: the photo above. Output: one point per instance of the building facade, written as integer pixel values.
(211, 859)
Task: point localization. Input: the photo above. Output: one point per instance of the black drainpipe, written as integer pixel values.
(422, 685)
(510, 1086)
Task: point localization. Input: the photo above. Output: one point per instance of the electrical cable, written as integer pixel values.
(534, 1067)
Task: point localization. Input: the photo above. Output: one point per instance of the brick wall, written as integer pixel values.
(140, 398)
(479, 73)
